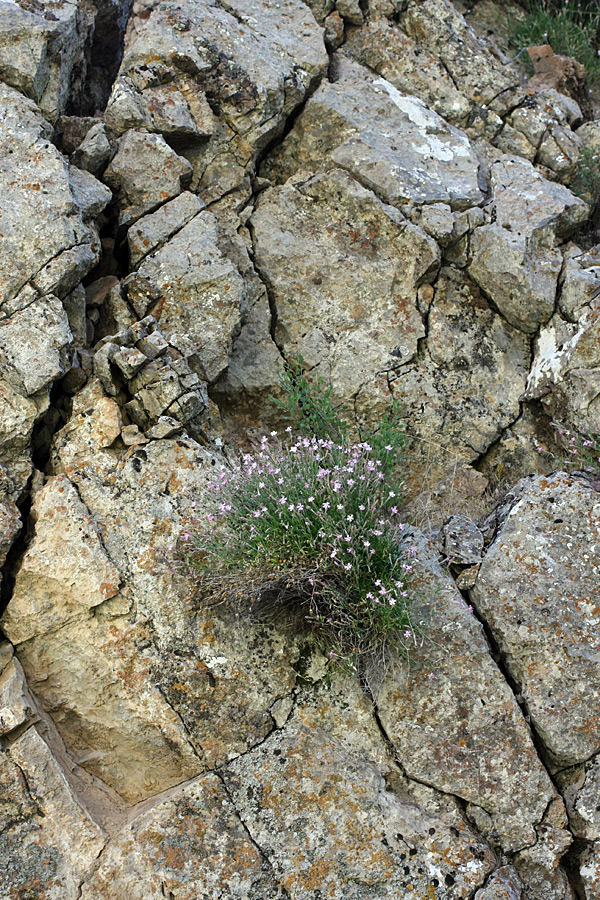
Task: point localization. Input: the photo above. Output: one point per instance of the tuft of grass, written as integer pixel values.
(311, 526)
(571, 27)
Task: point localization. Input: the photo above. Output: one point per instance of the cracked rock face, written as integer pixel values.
(193, 192)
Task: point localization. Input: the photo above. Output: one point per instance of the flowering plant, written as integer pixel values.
(314, 525)
(584, 450)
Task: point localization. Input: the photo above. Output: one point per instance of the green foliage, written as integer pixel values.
(586, 183)
(569, 26)
(312, 526)
(582, 451)
(308, 405)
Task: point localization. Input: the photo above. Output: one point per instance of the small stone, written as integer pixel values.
(129, 360)
(152, 346)
(166, 427)
(334, 31)
(466, 579)
(131, 436)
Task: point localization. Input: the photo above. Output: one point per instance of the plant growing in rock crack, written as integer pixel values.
(586, 181)
(312, 526)
(582, 451)
(571, 27)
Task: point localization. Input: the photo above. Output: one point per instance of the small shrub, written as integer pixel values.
(312, 526)
(569, 26)
(586, 183)
(582, 451)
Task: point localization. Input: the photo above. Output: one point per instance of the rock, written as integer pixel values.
(442, 714)
(514, 260)
(560, 73)
(144, 173)
(327, 821)
(39, 48)
(97, 291)
(15, 702)
(72, 131)
(45, 241)
(447, 408)
(239, 60)
(504, 884)
(166, 427)
(152, 231)
(191, 843)
(384, 48)
(590, 871)
(440, 29)
(463, 541)
(580, 786)
(49, 843)
(350, 11)
(350, 325)
(201, 295)
(10, 526)
(94, 152)
(50, 591)
(565, 373)
(536, 590)
(34, 345)
(149, 689)
(334, 31)
(414, 158)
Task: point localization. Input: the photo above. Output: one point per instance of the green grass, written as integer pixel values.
(571, 29)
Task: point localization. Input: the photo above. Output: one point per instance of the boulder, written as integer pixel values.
(537, 590)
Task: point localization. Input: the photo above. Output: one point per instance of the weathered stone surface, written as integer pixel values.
(391, 143)
(454, 722)
(34, 342)
(538, 591)
(146, 690)
(590, 871)
(38, 49)
(252, 60)
(441, 30)
(15, 702)
(445, 393)
(343, 272)
(560, 73)
(189, 845)
(329, 823)
(144, 173)
(45, 240)
(201, 295)
(386, 49)
(93, 153)
(10, 526)
(580, 786)
(504, 884)
(48, 843)
(565, 373)
(52, 588)
(514, 260)
(153, 230)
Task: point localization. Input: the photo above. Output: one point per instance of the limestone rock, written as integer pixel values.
(252, 60)
(327, 821)
(45, 240)
(49, 843)
(441, 30)
(514, 260)
(442, 714)
(39, 47)
(151, 231)
(56, 583)
(560, 73)
(590, 871)
(343, 271)
(144, 173)
(201, 295)
(188, 845)
(537, 589)
(504, 884)
(391, 143)
(403, 62)
(146, 689)
(449, 412)
(94, 152)
(15, 702)
(580, 787)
